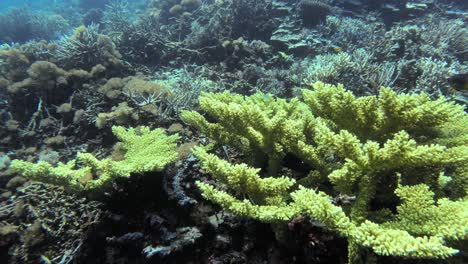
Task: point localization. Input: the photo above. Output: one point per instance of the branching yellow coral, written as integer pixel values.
(145, 150)
(243, 179)
(399, 144)
(421, 215)
(260, 133)
(377, 117)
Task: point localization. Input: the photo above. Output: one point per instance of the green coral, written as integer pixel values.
(402, 153)
(145, 150)
(378, 117)
(420, 214)
(261, 133)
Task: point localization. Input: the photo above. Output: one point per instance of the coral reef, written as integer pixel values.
(374, 160)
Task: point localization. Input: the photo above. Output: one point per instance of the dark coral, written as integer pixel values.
(313, 12)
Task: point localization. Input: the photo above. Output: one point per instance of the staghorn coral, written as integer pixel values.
(364, 148)
(349, 33)
(188, 29)
(116, 19)
(358, 70)
(184, 86)
(145, 150)
(141, 41)
(418, 55)
(433, 76)
(87, 48)
(433, 36)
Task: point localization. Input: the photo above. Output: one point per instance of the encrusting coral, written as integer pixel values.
(392, 155)
(145, 150)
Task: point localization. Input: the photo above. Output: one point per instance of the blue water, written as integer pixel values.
(41, 4)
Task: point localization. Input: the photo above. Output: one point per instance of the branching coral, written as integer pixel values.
(228, 20)
(86, 48)
(145, 150)
(259, 134)
(116, 18)
(158, 100)
(350, 33)
(433, 75)
(358, 70)
(362, 148)
(417, 55)
(378, 117)
(436, 37)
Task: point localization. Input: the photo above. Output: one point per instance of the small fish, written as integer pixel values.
(337, 49)
(459, 82)
(283, 55)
